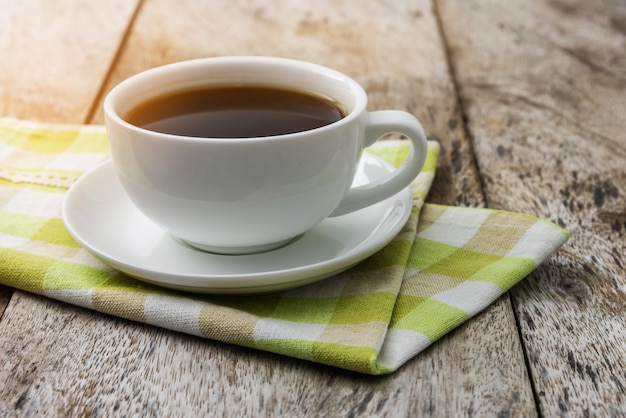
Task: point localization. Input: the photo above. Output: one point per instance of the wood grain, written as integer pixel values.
(59, 359)
(56, 55)
(542, 84)
(95, 365)
(54, 59)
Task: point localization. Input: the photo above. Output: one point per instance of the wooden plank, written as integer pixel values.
(56, 54)
(543, 86)
(60, 358)
(54, 57)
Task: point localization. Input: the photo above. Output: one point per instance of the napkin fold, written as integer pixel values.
(446, 265)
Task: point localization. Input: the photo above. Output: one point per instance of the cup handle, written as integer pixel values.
(380, 123)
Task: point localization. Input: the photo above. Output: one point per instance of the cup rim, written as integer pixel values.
(168, 71)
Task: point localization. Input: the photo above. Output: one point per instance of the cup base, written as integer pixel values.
(252, 249)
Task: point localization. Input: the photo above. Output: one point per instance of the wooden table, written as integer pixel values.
(527, 98)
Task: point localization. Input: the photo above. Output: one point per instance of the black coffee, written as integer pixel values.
(236, 112)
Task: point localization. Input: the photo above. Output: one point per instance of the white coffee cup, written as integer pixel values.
(246, 195)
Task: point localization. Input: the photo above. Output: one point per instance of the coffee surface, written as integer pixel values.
(235, 112)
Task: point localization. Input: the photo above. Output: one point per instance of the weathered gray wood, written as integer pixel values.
(543, 86)
(55, 357)
(79, 364)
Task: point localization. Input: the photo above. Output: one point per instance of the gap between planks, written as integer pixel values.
(470, 139)
(99, 97)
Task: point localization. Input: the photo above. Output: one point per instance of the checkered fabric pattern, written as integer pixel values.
(446, 265)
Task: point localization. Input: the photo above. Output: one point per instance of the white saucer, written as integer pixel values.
(99, 215)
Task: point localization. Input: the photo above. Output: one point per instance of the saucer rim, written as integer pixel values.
(272, 281)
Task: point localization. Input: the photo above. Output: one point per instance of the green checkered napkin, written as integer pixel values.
(437, 273)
